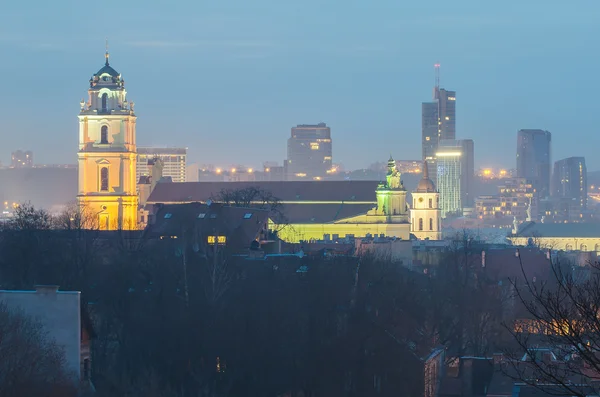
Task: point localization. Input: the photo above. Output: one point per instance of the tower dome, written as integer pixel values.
(425, 184)
(107, 75)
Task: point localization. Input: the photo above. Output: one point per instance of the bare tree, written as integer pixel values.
(31, 364)
(27, 217)
(561, 315)
(76, 216)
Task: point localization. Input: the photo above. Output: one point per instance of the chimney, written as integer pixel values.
(46, 289)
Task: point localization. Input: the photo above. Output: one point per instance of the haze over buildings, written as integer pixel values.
(533, 159)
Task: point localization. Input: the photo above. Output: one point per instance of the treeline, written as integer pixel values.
(174, 318)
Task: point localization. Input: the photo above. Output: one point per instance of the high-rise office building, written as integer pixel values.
(438, 122)
(174, 161)
(570, 180)
(309, 152)
(21, 159)
(533, 159)
(455, 172)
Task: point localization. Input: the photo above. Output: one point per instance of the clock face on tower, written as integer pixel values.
(420, 199)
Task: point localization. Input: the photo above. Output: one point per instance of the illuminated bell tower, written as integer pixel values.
(107, 153)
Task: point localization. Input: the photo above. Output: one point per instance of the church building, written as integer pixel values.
(426, 213)
(107, 153)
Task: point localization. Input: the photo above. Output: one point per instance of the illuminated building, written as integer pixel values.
(455, 173)
(21, 159)
(570, 180)
(309, 152)
(438, 122)
(514, 197)
(558, 236)
(107, 152)
(174, 161)
(425, 214)
(314, 209)
(533, 159)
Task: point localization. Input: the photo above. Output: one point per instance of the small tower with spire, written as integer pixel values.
(425, 214)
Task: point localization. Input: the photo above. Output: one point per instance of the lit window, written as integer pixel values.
(168, 215)
(248, 215)
(201, 215)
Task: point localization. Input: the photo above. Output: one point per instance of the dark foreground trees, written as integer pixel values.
(30, 363)
(559, 330)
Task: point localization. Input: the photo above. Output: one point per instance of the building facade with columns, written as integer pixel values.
(107, 153)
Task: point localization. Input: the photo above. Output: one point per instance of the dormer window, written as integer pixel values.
(104, 134)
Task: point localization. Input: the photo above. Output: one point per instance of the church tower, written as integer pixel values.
(107, 153)
(391, 196)
(426, 213)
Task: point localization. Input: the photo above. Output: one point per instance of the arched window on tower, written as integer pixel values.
(104, 102)
(420, 224)
(104, 179)
(430, 221)
(104, 134)
(430, 203)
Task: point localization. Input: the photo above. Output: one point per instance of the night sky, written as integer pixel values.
(228, 79)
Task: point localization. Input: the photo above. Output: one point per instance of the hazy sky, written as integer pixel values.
(228, 79)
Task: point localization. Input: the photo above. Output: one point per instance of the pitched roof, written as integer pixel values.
(322, 213)
(559, 230)
(240, 225)
(283, 190)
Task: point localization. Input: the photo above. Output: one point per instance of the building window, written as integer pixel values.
(430, 223)
(430, 203)
(86, 369)
(104, 179)
(420, 224)
(583, 247)
(104, 134)
(104, 102)
(569, 247)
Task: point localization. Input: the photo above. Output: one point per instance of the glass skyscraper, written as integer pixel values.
(570, 180)
(533, 159)
(438, 122)
(309, 152)
(455, 175)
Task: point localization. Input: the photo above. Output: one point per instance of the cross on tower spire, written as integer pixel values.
(106, 55)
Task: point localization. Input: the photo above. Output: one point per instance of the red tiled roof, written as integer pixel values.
(285, 191)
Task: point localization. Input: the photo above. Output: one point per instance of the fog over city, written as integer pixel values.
(299, 199)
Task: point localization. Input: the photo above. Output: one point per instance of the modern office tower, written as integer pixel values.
(438, 122)
(455, 171)
(533, 159)
(309, 152)
(21, 159)
(570, 180)
(174, 161)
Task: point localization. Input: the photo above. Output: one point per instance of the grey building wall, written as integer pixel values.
(58, 311)
(309, 151)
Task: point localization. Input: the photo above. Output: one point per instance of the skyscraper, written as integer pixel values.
(533, 159)
(570, 180)
(174, 161)
(438, 121)
(455, 171)
(309, 152)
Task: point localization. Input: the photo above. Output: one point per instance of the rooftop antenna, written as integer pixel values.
(106, 53)
(436, 90)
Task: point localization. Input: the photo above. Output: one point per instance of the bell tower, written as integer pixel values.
(426, 215)
(391, 196)
(107, 153)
